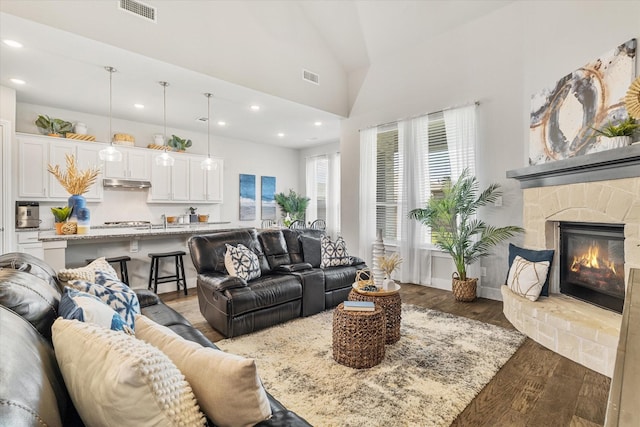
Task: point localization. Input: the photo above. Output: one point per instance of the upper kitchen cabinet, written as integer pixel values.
(205, 185)
(36, 152)
(134, 165)
(170, 183)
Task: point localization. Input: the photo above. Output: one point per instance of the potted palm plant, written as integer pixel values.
(293, 206)
(455, 229)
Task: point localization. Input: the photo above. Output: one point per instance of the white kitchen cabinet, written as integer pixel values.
(134, 165)
(36, 152)
(170, 183)
(28, 243)
(33, 157)
(205, 186)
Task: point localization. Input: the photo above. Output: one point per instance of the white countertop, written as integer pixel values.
(137, 231)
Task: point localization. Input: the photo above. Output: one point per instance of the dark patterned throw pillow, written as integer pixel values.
(242, 262)
(333, 254)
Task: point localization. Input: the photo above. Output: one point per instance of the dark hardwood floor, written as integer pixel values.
(536, 387)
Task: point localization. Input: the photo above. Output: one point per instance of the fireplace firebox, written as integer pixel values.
(592, 263)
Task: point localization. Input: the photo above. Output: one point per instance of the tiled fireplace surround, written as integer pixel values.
(577, 330)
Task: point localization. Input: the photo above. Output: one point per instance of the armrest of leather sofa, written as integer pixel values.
(291, 268)
(356, 260)
(146, 298)
(221, 282)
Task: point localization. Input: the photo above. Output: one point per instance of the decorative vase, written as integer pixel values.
(84, 223)
(76, 202)
(463, 290)
(58, 226)
(378, 251)
(619, 142)
(388, 284)
(80, 128)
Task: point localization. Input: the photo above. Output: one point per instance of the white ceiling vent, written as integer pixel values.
(139, 9)
(311, 77)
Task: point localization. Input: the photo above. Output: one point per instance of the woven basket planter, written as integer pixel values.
(464, 290)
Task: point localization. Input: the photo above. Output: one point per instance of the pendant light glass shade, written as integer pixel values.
(110, 154)
(208, 163)
(165, 158)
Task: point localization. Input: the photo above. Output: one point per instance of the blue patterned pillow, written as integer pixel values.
(242, 262)
(88, 308)
(333, 254)
(115, 294)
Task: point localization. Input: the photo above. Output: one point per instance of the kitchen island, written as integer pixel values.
(70, 251)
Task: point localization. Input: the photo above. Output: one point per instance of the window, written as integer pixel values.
(323, 190)
(389, 172)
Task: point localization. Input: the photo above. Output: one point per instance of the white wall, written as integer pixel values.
(498, 60)
(239, 157)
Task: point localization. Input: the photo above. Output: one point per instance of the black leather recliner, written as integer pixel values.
(291, 283)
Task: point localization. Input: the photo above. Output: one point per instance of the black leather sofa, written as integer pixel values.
(32, 390)
(290, 285)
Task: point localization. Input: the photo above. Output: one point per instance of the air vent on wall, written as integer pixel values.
(311, 77)
(139, 9)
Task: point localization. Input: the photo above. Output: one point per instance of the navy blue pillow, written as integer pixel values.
(533, 256)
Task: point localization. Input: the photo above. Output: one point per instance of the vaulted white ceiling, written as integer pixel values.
(245, 52)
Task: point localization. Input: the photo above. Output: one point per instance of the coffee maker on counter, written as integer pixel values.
(27, 214)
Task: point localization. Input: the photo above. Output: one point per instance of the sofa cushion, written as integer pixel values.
(274, 247)
(31, 297)
(333, 254)
(88, 272)
(32, 265)
(533, 256)
(207, 250)
(32, 391)
(526, 278)
(232, 375)
(115, 379)
(311, 250)
(339, 277)
(241, 262)
(115, 294)
(267, 291)
(88, 308)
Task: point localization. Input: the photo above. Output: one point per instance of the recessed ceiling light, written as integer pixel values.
(202, 119)
(313, 138)
(280, 134)
(138, 106)
(221, 123)
(255, 107)
(17, 81)
(318, 123)
(12, 43)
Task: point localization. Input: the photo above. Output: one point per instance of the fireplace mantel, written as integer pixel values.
(606, 165)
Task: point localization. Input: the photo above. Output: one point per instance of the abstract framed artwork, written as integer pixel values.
(267, 198)
(563, 116)
(247, 197)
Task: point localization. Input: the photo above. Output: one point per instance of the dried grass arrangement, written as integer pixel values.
(76, 182)
(389, 263)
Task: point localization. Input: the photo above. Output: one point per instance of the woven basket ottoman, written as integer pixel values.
(392, 306)
(358, 337)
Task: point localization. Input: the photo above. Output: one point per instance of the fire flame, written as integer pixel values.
(591, 259)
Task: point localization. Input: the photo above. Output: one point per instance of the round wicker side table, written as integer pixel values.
(392, 305)
(358, 337)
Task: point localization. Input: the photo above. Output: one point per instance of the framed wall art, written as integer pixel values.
(247, 197)
(267, 198)
(563, 116)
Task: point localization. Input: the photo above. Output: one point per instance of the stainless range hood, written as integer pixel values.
(125, 184)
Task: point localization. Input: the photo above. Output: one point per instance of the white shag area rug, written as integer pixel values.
(427, 378)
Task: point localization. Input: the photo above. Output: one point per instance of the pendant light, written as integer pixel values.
(165, 158)
(110, 154)
(208, 163)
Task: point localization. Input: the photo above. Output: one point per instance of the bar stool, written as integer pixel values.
(122, 261)
(179, 275)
